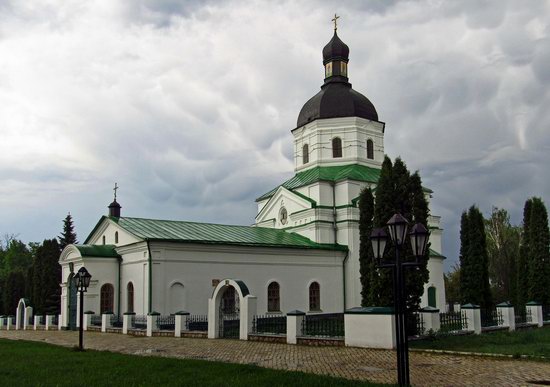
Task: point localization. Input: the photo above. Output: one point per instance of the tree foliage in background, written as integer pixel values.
(503, 249)
(13, 291)
(366, 256)
(522, 281)
(538, 253)
(396, 191)
(474, 261)
(68, 236)
(452, 285)
(46, 278)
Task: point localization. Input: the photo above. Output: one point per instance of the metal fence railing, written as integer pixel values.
(491, 318)
(42, 320)
(453, 322)
(55, 320)
(95, 320)
(265, 324)
(116, 321)
(546, 313)
(323, 325)
(166, 323)
(198, 323)
(139, 322)
(523, 316)
(415, 324)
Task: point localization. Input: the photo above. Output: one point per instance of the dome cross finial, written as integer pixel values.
(335, 20)
(115, 189)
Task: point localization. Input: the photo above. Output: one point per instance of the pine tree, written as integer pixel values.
(475, 287)
(522, 262)
(366, 256)
(14, 290)
(397, 191)
(538, 257)
(47, 276)
(68, 236)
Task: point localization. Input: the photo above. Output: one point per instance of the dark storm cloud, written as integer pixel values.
(188, 105)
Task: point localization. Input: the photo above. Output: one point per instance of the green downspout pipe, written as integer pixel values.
(150, 307)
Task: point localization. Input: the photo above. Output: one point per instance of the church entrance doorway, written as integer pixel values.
(72, 303)
(229, 312)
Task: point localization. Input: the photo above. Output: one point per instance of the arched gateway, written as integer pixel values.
(230, 310)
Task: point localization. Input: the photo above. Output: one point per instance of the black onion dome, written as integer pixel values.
(337, 100)
(335, 49)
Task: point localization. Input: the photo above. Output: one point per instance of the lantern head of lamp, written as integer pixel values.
(419, 240)
(378, 238)
(397, 226)
(83, 279)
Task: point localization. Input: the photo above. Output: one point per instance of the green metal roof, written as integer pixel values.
(208, 233)
(333, 174)
(435, 254)
(107, 251)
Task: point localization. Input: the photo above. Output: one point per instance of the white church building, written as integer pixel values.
(302, 253)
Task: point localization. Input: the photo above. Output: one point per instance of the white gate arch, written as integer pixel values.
(246, 313)
(23, 314)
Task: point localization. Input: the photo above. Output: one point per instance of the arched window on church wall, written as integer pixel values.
(370, 149)
(273, 297)
(103, 239)
(107, 298)
(305, 154)
(336, 147)
(116, 236)
(314, 296)
(130, 297)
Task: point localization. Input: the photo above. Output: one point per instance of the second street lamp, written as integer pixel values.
(81, 281)
(397, 227)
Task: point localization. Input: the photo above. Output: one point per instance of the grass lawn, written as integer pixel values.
(25, 363)
(532, 342)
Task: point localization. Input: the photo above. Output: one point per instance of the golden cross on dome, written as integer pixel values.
(335, 20)
(114, 189)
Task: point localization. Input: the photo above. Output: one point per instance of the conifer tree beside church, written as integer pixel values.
(46, 277)
(68, 236)
(522, 274)
(397, 191)
(474, 271)
(366, 256)
(538, 258)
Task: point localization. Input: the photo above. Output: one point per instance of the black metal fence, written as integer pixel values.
(270, 325)
(546, 313)
(95, 320)
(453, 322)
(415, 324)
(116, 321)
(523, 316)
(166, 323)
(195, 322)
(323, 325)
(139, 322)
(491, 318)
(55, 320)
(42, 320)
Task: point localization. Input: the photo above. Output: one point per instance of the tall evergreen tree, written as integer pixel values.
(68, 236)
(539, 253)
(366, 256)
(47, 276)
(398, 191)
(522, 273)
(475, 287)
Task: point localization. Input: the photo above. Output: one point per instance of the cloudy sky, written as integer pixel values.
(188, 105)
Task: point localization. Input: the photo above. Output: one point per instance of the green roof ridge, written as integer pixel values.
(336, 173)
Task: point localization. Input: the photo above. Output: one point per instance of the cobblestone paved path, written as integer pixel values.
(352, 363)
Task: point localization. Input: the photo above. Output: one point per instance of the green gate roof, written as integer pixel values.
(333, 174)
(208, 233)
(107, 251)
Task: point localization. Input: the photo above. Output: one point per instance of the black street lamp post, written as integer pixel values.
(82, 281)
(397, 227)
